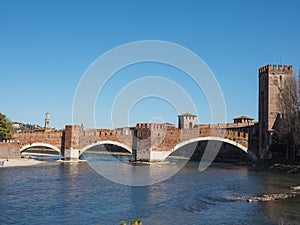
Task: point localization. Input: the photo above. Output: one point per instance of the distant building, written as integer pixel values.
(271, 79)
(242, 119)
(169, 125)
(16, 126)
(186, 121)
(47, 121)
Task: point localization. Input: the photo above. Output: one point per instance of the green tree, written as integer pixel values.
(6, 128)
(286, 135)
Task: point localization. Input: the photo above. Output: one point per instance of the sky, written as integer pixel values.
(47, 46)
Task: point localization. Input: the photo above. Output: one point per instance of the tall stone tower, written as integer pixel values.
(186, 121)
(47, 121)
(271, 79)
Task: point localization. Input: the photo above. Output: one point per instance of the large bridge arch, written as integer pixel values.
(103, 143)
(211, 138)
(164, 155)
(39, 144)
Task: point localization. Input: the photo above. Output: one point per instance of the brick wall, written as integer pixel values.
(9, 150)
(54, 138)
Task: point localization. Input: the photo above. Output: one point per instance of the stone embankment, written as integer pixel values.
(271, 197)
(285, 168)
(18, 162)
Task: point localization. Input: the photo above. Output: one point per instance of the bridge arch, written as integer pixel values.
(103, 143)
(251, 155)
(224, 140)
(39, 144)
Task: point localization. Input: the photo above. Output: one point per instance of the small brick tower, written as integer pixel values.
(186, 121)
(271, 79)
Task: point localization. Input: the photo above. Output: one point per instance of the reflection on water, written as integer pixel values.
(60, 193)
(125, 172)
(283, 211)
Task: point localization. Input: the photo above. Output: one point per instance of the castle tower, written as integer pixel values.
(47, 120)
(271, 79)
(186, 121)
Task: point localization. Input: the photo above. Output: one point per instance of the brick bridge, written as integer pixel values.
(147, 142)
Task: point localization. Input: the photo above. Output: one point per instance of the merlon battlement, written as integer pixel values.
(276, 68)
(154, 125)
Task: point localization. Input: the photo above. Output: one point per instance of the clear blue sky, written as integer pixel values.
(45, 47)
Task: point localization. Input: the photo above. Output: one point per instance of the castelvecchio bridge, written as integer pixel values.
(147, 141)
(154, 142)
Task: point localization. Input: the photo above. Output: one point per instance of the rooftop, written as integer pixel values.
(243, 117)
(187, 114)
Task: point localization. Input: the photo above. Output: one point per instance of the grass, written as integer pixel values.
(133, 222)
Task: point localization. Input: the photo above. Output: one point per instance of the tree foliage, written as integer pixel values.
(6, 128)
(286, 137)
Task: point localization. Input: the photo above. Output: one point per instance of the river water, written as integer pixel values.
(61, 193)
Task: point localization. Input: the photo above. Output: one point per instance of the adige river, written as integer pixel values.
(73, 193)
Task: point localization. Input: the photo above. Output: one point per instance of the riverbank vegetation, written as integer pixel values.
(133, 222)
(286, 135)
(6, 128)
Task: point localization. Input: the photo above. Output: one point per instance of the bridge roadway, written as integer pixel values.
(147, 142)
